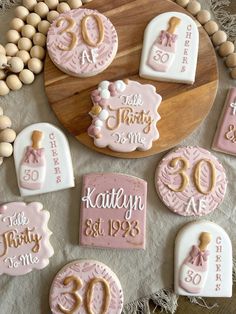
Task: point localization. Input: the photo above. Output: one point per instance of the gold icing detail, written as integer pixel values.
(77, 285)
(197, 176)
(68, 30)
(106, 295)
(84, 30)
(181, 172)
(96, 109)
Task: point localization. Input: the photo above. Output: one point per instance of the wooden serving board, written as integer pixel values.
(183, 107)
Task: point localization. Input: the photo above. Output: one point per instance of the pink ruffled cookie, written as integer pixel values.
(86, 286)
(124, 115)
(191, 181)
(24, 238)
(82, 42)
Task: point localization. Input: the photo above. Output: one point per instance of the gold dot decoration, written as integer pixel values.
(22, 57)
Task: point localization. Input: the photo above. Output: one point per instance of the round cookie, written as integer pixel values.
(191, 181)
(83, 286)
(82, 42)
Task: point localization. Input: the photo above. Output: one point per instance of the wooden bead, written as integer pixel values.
(233, 73)
(63, 7)
(11, 49)
(52, 4)
(6, 149)
(41, 9)
(230, 61)
(5, 122)
(24, 55)
(33, 19)
(39, 39)
(37, 52)
(13, 82)
(203, 16)
(1, 111)
(75, 4)
(226, 49)
(52, 15)
(25, 44)
(29, 4)
(2, 50)
(16, 65)
(17, 24)
(43, 27)
(182, 3)
(12, 36)
(21, 12)
(219, 38)
(28, 31)
(3, 61)
(35, 65)
(2, 75)
(211, 27)
(4, 90)
(1, 160)
(7, 136)
(194, 7)
(86, 1)
(26, 76)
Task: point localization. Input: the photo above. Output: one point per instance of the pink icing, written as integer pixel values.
(86, 270)
(225, 137)
(131, 189)
(199, 204)
(133, 100)
(83, 60)
(29, 221)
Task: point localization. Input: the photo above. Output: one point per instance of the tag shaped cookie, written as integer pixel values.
(170, 49)
(124, 115)
(24, 234)
(86, 286)
(82, 42)
(42, 160)
(113, 211)
(225, 137)
(203, 261)
(191, 181)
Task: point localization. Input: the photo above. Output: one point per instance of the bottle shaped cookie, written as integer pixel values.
(33, 166)
(194, 270)
(162, 53)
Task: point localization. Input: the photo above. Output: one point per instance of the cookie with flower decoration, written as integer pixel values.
(124, 115)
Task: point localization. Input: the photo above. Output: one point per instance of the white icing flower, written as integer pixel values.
(120, 85)
(98, 123)
(103, 115)
(104, 85)
(105, 94)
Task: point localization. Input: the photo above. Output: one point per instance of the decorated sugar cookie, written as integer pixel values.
(170, 48)
(203, 261)
(86, 286)
(24, 234)
(113, 211)
(225, 137)
(191, 181)
(124, 115)
(42, 160)
(82, 42)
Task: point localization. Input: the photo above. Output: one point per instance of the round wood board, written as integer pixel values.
(183, 107)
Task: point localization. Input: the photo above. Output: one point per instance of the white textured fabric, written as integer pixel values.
(142, 273)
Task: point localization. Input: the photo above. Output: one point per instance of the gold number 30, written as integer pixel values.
(70, 25)
(197, 174)
(77, 285)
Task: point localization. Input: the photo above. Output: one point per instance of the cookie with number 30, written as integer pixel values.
(191, 181)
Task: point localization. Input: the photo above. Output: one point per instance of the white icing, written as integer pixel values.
(103, 115)
(89, 56)
(105, 94)
(233, 106)
(131, 137)
(17, 219)
(132, 100)
(113, 199)
(21, 260)
(120, 86)
(98, 123)
(30, 174)
(103, 85)
(194, 279)
(198, 207)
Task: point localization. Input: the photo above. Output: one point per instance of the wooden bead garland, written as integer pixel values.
(225, 48)
(7, 136)
(22, 57)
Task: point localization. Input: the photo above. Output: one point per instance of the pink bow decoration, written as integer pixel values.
(198, 257)
(167, 39)
(33, 155)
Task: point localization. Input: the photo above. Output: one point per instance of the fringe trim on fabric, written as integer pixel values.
(225, 18)
(165, 299)
(8, 4)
